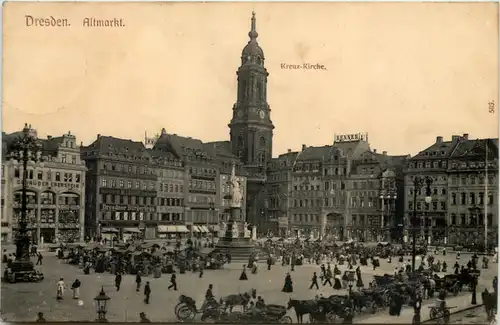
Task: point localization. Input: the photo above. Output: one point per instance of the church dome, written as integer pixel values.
(252, 49)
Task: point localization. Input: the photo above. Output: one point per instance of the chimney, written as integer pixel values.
(384, 153)
(69, 132)
(81, 143)
(49, 137)
(374, 150)
(439, 139)
(98, 136)
(163, 131)
(289, 150)
(466, 136)
(304, 147)
(455, 137)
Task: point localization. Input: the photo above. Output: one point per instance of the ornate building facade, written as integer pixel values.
(55, 192)
(121, 188)
(464, 191)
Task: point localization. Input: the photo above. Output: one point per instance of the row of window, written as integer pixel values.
(49, 176)
(124, 199)
(303, 218)
(427, 206)
(171, 202)
(434, 191)
(444, 163)
(171, 188)
(201, 199)
(202, 171)
(470, 220)
(121, 184)
(72, 158)
(171, 216)
(471, 199)
(48, 198)
(128, 168)
(118, 215)
(202, 185)
(472, 180)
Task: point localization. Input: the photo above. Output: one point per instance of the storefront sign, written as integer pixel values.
(35, 183)
(351, 137)
(130, 208)
(126, 191)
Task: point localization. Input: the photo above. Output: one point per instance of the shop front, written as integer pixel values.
(172, 231)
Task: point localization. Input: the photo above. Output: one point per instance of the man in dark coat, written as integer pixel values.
(138, 280)
(147, 292)
(118, 281)
(173, 282)
(314, 281)
(39, 259)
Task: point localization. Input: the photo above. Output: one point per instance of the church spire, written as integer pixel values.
(253, 30)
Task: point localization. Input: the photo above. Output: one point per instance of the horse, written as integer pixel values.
(239, 299)
(303, 307)
(490, 301)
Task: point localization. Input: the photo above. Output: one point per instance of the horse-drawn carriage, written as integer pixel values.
(268, 314)
(449, 282)
(333, 309)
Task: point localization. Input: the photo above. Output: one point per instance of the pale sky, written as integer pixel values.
(403, 72)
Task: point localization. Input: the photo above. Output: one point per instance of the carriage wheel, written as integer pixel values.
(186, 313)
(433, 313)
(286, 320)
(178, 306)
(373, 307)
(331, 317)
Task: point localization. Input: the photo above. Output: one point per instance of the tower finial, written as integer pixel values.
(253, 30)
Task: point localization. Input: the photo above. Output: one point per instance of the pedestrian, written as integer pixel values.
(76, 289)
(288, 286)
(40, 318)
(118, 281)
(144, 318)
(269, 263)
(4, 256)
(138, 281)
(243, 275)
(60, 289)
(173, 282)
(147, 292)
(201, 271)
(39, 259)
(314, 281)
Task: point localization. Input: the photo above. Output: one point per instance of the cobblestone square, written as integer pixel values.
(22, 301)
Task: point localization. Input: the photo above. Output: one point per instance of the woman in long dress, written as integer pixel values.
(288, 286)
(243, 275)
(60, 289)
(337, 285)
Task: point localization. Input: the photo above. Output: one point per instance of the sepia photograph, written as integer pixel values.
(250, 162)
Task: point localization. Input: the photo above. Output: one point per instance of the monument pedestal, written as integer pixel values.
(236, 239)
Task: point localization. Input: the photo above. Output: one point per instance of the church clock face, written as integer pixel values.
(262, 114)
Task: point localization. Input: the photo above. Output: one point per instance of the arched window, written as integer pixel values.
(262, 142)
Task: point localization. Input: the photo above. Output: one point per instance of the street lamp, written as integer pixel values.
(25, 148)
(351, 281)
(101, 304)
(418, 184)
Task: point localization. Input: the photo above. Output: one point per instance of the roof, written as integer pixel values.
(476, 148)
(437, 150)
(314, 153)
(351, 149)
(107, 146)
(222, 149)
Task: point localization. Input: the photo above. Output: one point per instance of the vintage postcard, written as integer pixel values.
(249, 162)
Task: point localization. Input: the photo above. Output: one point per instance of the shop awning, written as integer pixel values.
(196, 228)
(164, 229)
(182, 228)
(109, 230)
(204, 229)
(214, 228)
(132, 230)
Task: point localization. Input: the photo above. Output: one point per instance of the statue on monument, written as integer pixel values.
(235, 190)
(235, 230)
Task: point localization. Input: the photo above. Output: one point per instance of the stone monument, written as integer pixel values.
(235, 240)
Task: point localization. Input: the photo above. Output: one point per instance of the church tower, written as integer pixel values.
(251, 128)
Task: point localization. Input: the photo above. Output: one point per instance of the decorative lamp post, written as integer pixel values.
(418, 184)
(25, 148)
(101, 304)
(351, 276)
